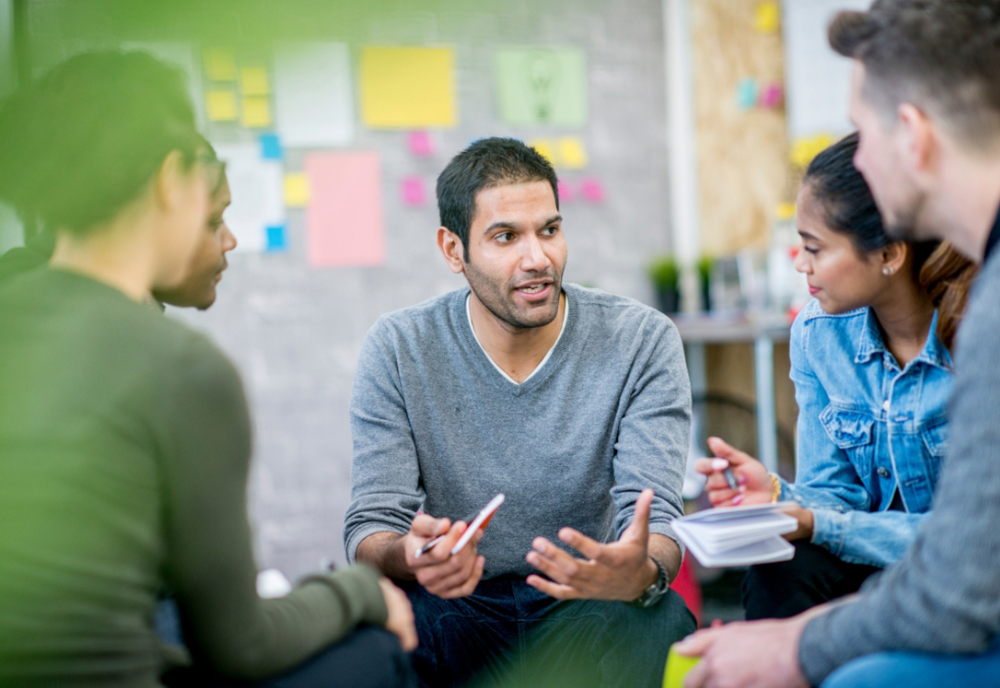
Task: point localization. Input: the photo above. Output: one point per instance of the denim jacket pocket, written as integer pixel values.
(852, 431)
(935, 439)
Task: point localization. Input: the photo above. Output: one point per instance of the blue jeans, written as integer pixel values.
(920, 670)
(509, 634)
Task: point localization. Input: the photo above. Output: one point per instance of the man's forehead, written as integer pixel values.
(523, 201)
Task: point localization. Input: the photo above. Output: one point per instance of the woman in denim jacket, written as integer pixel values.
(872, 381)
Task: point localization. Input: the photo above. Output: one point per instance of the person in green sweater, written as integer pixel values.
(125, 436)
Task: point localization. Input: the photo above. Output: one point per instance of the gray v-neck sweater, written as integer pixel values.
(436, 425)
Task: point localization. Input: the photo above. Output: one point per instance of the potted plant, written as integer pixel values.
(706, 265)
(665, 276)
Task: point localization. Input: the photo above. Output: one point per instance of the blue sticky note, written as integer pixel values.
(746, 93)
(276, 239)
(270, 147)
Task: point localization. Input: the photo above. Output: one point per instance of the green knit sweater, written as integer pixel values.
(124, 453)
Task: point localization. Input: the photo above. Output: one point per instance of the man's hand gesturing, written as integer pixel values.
(438, 570)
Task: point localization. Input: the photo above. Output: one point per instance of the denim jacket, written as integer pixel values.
(866, 429)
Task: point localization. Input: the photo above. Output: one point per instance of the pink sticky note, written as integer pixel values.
(771, 96)
(592, 190)
(566, 194)
(421, 144)
(414, 192)
(344, 223)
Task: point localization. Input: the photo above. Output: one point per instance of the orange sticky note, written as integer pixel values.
(572, 153)
(545, 149)
(220, 64)
(221, 106)
(256, 112)
(408, 88)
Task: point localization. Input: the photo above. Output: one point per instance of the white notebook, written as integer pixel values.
(739, 535)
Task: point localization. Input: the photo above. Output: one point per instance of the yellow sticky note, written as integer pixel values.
(253, 81)
(256, 112)
(572, 153)
(767, 17)
(804, 150)
(297, 190)
(220, 64)
(408, 88)
(221, 106)
(677, 669)
(545, 149)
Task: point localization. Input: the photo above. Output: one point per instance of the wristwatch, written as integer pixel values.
(655, 591)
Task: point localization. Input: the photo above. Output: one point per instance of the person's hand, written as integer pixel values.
(616, 571)
(441, 573)
(400, 620)
(805, 519)
(754, 484)
(755, 654)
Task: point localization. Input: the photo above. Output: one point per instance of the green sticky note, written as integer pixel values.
(539, 86)
(678, 667)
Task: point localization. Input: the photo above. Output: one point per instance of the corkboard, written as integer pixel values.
(742, 154)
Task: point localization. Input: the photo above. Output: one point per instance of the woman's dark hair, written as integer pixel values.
(82, 142)
(485, 164)
(848, 207)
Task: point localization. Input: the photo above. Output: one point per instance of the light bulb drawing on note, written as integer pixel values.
(543, 78)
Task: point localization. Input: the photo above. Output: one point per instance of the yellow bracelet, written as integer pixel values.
(776, 490)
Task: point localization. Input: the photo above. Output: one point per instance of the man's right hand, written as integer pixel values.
(754, 484)
(441, 573)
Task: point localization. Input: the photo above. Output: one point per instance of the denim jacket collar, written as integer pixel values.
(871, 344)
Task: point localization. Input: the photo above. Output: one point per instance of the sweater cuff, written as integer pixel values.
(359, 592)
(828, 530)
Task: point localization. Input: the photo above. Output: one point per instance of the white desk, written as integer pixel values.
(763, 330)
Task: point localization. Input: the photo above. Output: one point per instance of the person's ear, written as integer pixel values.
(452, 249)
(893, 257)
(918, 139)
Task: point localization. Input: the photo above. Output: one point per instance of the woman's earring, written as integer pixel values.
(888, 271)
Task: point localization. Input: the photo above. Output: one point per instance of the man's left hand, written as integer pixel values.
(615, 571)
(755, 654)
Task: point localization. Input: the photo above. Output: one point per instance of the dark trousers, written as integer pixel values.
(509, 634)
(368, 658)
(812, 577)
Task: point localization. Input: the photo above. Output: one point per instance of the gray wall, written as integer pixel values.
(294, 332)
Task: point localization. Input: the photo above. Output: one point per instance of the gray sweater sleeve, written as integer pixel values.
(944, 595)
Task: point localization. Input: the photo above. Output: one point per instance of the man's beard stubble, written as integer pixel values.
(497, 299)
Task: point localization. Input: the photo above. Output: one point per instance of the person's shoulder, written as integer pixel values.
(620, 315)
(420, 319)
(20, 260)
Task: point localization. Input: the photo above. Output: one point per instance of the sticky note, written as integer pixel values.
(592, 190)
(258, 202)
(540, 86)
(256, 112)
(220, 64)
(566, 194)
(344, 221)
(767, 17)
(221, 106)
(420, 143)
(270, 147)
(677, 668)
(804, 150)
(254, 82)
(413, 191)
(771, 95)
(277, 239)
(313, 94)
(746, 93)
(545, 149)
(408, 87)
(297, 191)
(572, 153)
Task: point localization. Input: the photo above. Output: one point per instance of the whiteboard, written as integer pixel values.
(818, 80)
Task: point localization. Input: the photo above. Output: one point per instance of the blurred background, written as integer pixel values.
(679, 130)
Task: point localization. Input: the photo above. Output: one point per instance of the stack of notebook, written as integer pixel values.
(739, 535)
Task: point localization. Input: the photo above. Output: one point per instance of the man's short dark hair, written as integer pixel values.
(943, 56)
(485, 164)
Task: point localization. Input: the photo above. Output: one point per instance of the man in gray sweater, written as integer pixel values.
(573, 403)
(926, 100)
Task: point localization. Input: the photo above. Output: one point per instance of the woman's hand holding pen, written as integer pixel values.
(753, 484)
(442, 573)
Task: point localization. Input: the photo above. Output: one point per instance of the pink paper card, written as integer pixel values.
(414, 192)
(566, 194)
(344, 221)
(592, 190)
(771, 96)
(421, 144)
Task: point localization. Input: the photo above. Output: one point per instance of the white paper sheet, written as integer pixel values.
(313, 95)
(257, 186)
